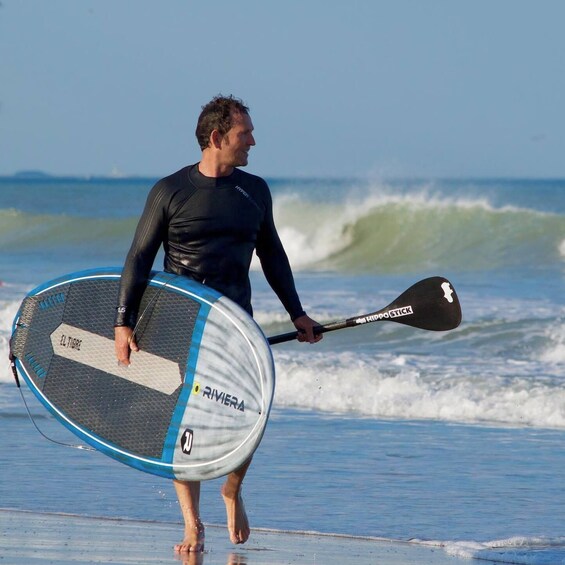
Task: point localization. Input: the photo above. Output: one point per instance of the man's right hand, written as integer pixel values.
(124, 344)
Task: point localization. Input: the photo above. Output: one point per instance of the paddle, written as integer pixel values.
(430, 304)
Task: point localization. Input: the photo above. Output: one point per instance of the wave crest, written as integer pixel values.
(378, 232)
(391, 234)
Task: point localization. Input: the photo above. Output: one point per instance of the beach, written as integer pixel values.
(65, 538)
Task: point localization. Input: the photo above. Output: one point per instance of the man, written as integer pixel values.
(210, 217)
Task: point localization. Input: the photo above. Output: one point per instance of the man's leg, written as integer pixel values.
(188, 493)
(238, 525)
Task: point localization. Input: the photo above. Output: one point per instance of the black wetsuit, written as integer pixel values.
(209, 228)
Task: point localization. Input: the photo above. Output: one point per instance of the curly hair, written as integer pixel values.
(217, 114)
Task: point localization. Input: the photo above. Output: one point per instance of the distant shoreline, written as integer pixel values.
(38, 175)
(42, 176)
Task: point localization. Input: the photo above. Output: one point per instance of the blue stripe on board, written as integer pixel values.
(156, 277)
(112, 272)
(183, 283)
(176, 420)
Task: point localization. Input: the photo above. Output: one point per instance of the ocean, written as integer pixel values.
(453, 438)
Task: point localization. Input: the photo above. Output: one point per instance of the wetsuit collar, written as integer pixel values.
(209, 182)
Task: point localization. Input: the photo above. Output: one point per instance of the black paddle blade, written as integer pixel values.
(430, 304)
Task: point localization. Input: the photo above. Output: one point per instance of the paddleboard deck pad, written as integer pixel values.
(193, 404)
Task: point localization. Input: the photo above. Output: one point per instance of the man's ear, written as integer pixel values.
(216, 139)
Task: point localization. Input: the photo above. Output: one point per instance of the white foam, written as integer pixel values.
(554, 353)
(407, 387)
(518, 550)
(305, 241)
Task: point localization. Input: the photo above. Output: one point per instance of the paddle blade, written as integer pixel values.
(430, 304)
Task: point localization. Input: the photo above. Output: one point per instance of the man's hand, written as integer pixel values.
(305, 326)
(124, 344)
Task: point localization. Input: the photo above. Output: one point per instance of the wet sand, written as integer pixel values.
(33, 538)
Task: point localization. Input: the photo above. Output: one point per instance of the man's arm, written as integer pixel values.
(276, 266)
(148, 237)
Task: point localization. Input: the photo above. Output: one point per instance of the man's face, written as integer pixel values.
(238, 140)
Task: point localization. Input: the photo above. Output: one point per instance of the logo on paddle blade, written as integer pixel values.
(447, 291)
(388, 315)
(186, 441)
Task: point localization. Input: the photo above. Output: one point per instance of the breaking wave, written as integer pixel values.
(376, 233)
(395, 234)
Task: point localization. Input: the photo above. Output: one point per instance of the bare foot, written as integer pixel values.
(193, 539)
(238, 525)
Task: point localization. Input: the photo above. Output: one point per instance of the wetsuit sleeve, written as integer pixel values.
(276, 266)
(149, 235)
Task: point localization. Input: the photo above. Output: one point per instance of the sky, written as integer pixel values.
(397, 88)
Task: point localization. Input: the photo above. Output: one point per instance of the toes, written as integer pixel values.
(188, 548)
(240, 537)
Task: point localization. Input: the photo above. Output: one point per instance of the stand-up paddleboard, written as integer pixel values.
(195, 400)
